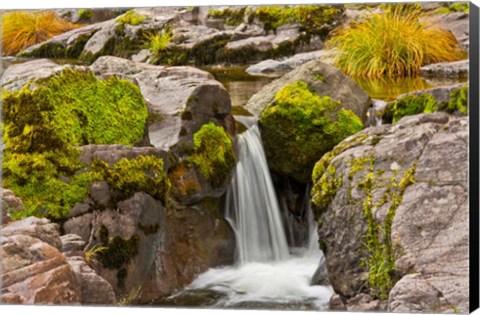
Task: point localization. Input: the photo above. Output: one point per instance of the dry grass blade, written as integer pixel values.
(22, 29)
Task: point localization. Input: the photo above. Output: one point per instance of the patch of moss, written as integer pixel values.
(85, 14)
(187, 115)
(410, 105)
(128, 176)
(213, 153)
(458, 102)
(59, 50)
(183, 181)
(325, 189)
(357, 165)
(299, 126)
(232, 16)
(41, 126)
(453, 7)
(380, 259)
(131, 17)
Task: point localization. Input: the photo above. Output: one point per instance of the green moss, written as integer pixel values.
(42, 125)
(131, 17)
(380, 259)
(325, 189)
(213, 153)
(59, 50)
(357, 165)
(128, 176)
(85, 14)
(453, 7)
(232, 16)
(410, 105)
(299, 126)
(311, 17)
(458, 102)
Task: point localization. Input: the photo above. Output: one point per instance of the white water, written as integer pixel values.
(252, 206)
(265, 271)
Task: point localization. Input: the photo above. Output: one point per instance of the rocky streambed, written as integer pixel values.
(368, 178)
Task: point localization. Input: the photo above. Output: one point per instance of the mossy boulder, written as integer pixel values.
(373, 197)
(325, 80)
(45, 120)
(299, 126)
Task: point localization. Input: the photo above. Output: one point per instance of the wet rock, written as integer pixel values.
(336, 303)
(455, 69)
(181, 99)
(326, 80)
(320, 277)
(426, 157)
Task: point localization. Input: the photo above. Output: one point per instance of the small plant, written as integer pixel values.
(22, 29)
(85, 14)
(394, 43)
(131, 17)
(158, 42)
(458, 100)
(92, 255)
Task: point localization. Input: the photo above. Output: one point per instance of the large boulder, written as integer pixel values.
(34, 271)
(455, 69)
(402, 190)
(304, 114)
(325, 79)
(180, 99)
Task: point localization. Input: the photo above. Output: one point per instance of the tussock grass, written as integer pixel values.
(158, 42)
(394, 43)
(22, 29)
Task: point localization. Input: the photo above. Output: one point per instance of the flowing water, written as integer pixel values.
(267, 274)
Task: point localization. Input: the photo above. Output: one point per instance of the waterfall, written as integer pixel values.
(252, 206)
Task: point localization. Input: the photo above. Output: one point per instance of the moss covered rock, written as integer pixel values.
(299, 126)
(44, 123)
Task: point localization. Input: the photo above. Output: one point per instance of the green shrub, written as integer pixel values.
(393, 43)
(131, 17)
(299, 126)
(128, 176)
(411, 105)
(213, 153)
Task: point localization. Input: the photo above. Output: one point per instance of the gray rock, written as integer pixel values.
(336, 303)
(100, 193)
(430, 225)
(171, 91)
(16, 76)
(10, 203)
(276, 68)
(42, 229)
(325, 79)
(365, 303)
(320, 277)
(455, 69)
(94, 289)
(72, 243)
(80, 225)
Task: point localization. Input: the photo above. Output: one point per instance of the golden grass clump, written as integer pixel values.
(22, 29)
(395, 43)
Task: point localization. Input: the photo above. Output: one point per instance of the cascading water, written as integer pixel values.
(252, 206)
(266, 274)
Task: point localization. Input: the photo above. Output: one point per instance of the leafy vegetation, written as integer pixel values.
(393, 43)
(299, 126)
(410, 105)
(41, 126)
(213, 153)
(22, 29)
(85, 14)
(131, 17)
